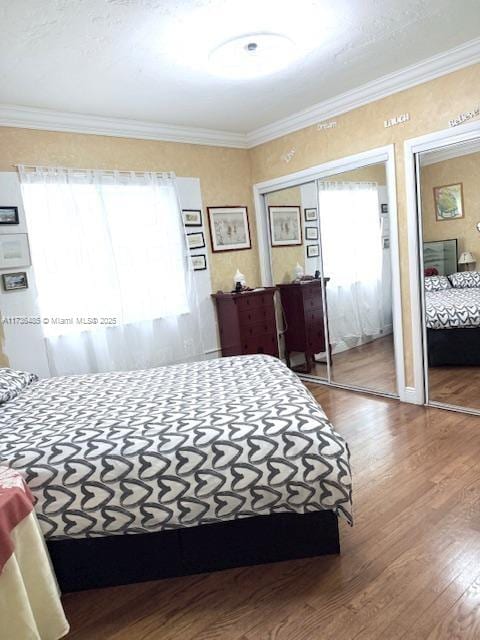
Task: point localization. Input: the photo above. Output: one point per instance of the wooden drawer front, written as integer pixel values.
(246, 302)
(264, 343)
(250, 316)
(312, 291)
(316, 337)
(256, 329)
(312, 303)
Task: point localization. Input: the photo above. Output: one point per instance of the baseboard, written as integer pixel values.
(411, 395)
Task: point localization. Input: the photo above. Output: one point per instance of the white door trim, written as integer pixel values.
(349, 163)
(429, 142)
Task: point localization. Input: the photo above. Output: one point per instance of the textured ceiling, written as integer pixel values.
(147, 59)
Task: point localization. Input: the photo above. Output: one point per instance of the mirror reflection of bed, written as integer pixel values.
(450, 212)
(345, 235)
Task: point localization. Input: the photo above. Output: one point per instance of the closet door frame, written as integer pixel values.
(384, 154)
(412, 147)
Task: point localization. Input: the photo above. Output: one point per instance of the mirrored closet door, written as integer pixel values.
(448, 186)
(330, 259)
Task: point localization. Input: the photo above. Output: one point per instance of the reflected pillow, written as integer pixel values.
(465, 280)
(437, 283)
(12, 382)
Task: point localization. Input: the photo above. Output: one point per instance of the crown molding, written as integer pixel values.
(45, 119)
(429, 69)
(449, 152)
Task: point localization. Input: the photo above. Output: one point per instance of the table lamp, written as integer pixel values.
(467, 258)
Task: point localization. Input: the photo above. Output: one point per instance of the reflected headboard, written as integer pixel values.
(441, 255)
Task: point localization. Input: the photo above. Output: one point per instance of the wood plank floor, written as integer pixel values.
(409, 568)
(369, 366)
(455, 385)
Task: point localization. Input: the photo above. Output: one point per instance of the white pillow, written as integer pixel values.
(465, 279)
(437, 283)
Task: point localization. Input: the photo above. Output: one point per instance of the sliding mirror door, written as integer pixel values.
(295, 256)
(449, 215)
(355, 240)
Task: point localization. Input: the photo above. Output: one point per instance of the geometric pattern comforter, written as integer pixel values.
(452, 308)
(177, 446)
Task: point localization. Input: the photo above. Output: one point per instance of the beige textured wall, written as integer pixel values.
(465, 169)
(431, 106)
(224, 175)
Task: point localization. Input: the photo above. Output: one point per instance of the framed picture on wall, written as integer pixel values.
(285, 226)
(310, 214)
(14, 281)
(311, 233)
(9, 215)
(199, 262)
(313, 250)
(196, 240)
(229, 228)
(448, 201)
(192, 217)
(14, 250)
(384, 208)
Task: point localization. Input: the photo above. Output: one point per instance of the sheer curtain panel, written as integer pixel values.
(112, 269)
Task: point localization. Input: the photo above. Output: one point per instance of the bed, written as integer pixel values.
(175, 470)
(453, 319)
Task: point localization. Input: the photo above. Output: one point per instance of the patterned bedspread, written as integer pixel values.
(452, 308)
(177, 446)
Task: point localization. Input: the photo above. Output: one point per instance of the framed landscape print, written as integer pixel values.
(192, 217)
(14, 250)
(196, 240)
(9, 215)
(14, 281)
(199, 262)
(310, 215)
(448, 201)
(229, 228)
(313, 250)
(285, 226)
(311, 233)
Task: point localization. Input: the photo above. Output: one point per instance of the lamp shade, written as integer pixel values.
(466, 258)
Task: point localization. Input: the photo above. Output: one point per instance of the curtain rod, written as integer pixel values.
(32, 167)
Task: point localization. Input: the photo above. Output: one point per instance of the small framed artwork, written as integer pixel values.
(384, 208)
(192, 217)
(14, 281)
(14, 250)
(448, 201)
(285, 226)
(313, 250)
(199, 262)
(9, 215)
(229, 228)
(310, 215)
(196, 240)
(386, 243)
(311, 233)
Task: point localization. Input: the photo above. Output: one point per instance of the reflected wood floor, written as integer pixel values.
(370, 366)
(409, 568)
(455, 385)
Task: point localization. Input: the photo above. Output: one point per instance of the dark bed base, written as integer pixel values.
(102, 562)
(453, 347)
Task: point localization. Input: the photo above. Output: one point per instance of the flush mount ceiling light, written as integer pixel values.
(252, 55)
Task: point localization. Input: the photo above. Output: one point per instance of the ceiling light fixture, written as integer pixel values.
(253, 55)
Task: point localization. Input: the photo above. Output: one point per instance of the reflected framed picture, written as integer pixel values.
(199, 262)
(285, 226)
(192, 217)
(196, 240)
(229, 228)
(9, 215)
(14, 281)
(14, 250)
(310, 214)
(311, 233)
(313, 250)
(441, 255)
(448, 201)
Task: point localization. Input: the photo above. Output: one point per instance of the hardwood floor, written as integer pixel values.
(409, 568)
(455, 385)
(370, 366)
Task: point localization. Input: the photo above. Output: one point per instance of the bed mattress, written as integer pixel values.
(177, 446)
(452, 308)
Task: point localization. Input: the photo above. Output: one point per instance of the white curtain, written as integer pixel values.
(352, 259)
(112, 270)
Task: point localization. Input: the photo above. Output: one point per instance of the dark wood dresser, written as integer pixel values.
(247, 322)
(302, 304)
